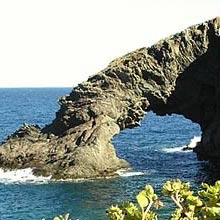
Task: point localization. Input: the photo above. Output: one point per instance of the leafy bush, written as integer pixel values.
(205, 205)
(62, 217)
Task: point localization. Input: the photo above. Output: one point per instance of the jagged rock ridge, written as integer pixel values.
(177, 75)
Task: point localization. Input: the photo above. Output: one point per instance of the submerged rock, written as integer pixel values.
(180, 74)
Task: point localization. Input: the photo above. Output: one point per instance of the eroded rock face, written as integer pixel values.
(180, 74)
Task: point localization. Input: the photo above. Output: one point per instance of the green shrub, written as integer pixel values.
(205, 205)
(62, 217)
(146, 199)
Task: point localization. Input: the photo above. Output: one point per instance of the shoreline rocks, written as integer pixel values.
(180, 74)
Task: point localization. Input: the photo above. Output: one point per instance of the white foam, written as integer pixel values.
(194, 141)
(21, 176)
(191, 145)
(127, 173)
(173, 149)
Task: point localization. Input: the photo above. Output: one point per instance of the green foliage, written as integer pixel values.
(147, 202)
(211, 199)
(62, 217)
(205, 205)
(188, 205)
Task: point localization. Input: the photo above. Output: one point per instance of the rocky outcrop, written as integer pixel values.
(180, 74)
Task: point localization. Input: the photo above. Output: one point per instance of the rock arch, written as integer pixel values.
(180, 74)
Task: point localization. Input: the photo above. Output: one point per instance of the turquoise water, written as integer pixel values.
(152, 149)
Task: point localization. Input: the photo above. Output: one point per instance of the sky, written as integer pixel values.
(51, 43)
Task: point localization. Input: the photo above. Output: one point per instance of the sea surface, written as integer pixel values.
(153, 149)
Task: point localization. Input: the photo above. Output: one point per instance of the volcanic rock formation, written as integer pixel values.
(180, 74)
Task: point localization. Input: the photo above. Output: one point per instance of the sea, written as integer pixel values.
(154, 151)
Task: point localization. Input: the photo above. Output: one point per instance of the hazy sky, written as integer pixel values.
(61, 43)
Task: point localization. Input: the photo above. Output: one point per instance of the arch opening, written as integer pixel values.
(156, 147)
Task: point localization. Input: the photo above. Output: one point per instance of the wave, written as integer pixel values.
(21, 176)
(191, 145)
(174, 149)
(127, 173)
(194, 141)
(24, 176)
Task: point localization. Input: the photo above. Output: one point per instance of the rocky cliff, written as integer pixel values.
(180, 74)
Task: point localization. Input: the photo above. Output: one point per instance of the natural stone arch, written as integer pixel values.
(177, 75)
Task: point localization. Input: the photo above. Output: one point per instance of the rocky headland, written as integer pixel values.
(180, 74)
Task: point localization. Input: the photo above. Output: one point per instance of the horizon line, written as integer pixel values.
(35, 87)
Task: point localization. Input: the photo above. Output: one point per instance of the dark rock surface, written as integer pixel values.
(180, 74)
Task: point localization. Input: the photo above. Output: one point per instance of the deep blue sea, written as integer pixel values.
(153, 149)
